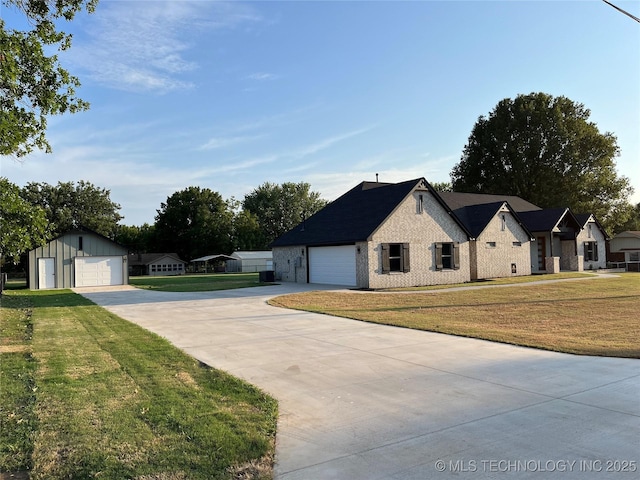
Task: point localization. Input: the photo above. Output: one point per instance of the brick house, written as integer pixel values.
(383, 235)
(591, 242)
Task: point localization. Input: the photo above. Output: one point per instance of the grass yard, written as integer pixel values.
(197, 283)
(86, 394)
(592, 317)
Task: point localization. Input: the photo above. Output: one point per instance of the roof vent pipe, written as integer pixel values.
(376, 178)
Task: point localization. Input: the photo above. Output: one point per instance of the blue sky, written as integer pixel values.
(228, 96)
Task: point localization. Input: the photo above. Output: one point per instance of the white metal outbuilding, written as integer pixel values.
(79, 258)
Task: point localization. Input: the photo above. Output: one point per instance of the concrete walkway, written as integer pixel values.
(365, 401)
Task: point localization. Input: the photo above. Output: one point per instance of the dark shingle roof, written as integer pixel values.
(457, 200)
(582, 218)
(477, 217)
(351, 218)
(354, 216)
(546, 220)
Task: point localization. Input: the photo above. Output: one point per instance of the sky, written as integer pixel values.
(230, 95)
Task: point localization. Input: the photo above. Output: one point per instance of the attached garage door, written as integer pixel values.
(333, 265)
(98, 271)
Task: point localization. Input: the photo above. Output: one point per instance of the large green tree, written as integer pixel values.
(194, 222)
(247, 234)
(633, 220)
(69, 205)
(33, 84)
(137, 239)
(279, 208)
(545, 150)
(22, 226)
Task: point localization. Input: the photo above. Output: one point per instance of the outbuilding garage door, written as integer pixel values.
(98, 271)
(333, 265)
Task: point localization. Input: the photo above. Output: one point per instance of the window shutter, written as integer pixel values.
(456, 256)
(595, 251)
(438, 256)
(405, 258)
(385, 257)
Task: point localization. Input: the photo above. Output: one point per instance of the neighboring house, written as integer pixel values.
(79, 258)
(254, 261)
(155, 264)
(592, 242)
(377, 235)
(627, 243)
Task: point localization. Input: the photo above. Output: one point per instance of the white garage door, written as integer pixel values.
(98, 271)
(333, 265)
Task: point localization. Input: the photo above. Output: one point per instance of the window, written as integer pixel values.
(491, 244)
(420, 203)
(591, 251)
(80, 242)
(395, 257)
(590, 231)
(153, 268)
(503, 222)
(517, 244)
(634, 256)
(447, 256)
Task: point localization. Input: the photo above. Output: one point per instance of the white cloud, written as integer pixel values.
(143, 45)
(262, 76)
(323, 144)
(224, 142)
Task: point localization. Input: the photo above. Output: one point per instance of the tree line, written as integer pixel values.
(192, 222)
(197, 221)
(541, 148)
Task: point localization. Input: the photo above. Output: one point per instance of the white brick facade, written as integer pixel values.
(592, 233)
(502, 247)
(421, 228)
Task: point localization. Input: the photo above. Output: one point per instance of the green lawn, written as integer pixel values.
(197, 283)
(86, 394)
(598, 316)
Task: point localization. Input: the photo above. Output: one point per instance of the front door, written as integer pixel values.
(542, 252)
(46, 273)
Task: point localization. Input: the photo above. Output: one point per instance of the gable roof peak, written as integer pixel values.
(355, 215)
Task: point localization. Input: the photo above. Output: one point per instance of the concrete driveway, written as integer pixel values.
(364, 401)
